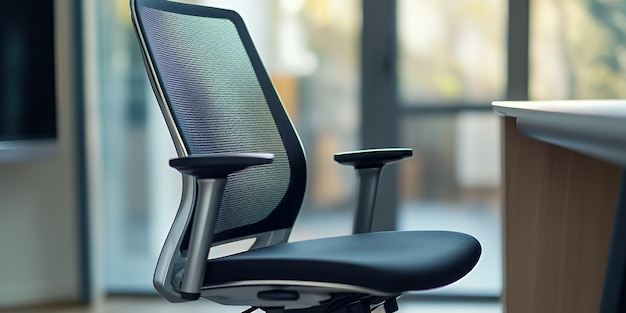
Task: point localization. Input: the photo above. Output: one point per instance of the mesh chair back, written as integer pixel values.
(210, 81)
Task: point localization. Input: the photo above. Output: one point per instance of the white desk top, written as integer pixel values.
(593, 127)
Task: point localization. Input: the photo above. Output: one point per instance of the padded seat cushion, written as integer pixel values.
(391, 262)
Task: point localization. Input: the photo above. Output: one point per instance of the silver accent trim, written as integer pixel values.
(275, 237)
(163, 104)
(261, 240)
(302, 283)
(271, 238)
(206, 207)
(170, 260)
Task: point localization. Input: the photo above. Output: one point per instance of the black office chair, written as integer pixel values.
(244, 177)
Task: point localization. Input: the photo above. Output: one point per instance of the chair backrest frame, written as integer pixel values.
(169, 263)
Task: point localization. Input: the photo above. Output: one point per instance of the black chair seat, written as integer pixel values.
(390, 262)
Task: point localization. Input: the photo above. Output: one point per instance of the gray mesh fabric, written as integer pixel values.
(219, 106)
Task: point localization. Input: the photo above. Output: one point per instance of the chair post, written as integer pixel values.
(368, 164)
(209, 197)
(368, 185)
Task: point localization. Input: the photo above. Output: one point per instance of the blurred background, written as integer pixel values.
(449, 59)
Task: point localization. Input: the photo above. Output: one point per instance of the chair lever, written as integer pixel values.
(391, 305)
(251, 309)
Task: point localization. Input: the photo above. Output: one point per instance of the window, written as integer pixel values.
(451, 65)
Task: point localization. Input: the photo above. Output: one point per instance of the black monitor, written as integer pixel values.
(28, 119)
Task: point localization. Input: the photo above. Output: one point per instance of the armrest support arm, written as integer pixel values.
(368, 165)
(211, 172)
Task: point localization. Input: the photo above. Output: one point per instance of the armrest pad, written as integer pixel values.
(371, 158)
(218, 165)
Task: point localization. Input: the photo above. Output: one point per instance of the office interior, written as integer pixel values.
(81, 226)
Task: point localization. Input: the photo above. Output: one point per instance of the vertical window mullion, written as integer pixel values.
(379, 98)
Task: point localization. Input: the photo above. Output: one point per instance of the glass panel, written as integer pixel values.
(311, 50)
(453, 183)
(578, 49)
(451, 51)
(132, 144)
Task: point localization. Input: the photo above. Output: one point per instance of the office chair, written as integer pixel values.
(244, 177)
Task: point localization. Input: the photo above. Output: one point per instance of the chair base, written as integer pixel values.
(348, 303)
(292, 295)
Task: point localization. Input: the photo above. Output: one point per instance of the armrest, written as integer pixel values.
(211, 171)
(368, 165)
(218, 165)
(369, 158)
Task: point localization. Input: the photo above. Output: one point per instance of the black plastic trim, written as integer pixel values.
(219, 165)
(189, 296)
(372, 158)
(279, 295)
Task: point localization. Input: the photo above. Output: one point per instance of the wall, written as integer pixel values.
(39, 257)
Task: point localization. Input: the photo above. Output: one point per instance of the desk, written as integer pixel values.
(562, 166)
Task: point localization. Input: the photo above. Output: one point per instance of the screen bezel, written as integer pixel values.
(46, 146)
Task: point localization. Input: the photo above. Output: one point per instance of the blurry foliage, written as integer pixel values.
(611, 15)
(451, 52)
(597, 45)
(333, 29)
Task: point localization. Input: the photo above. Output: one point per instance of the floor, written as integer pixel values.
(158, 305)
